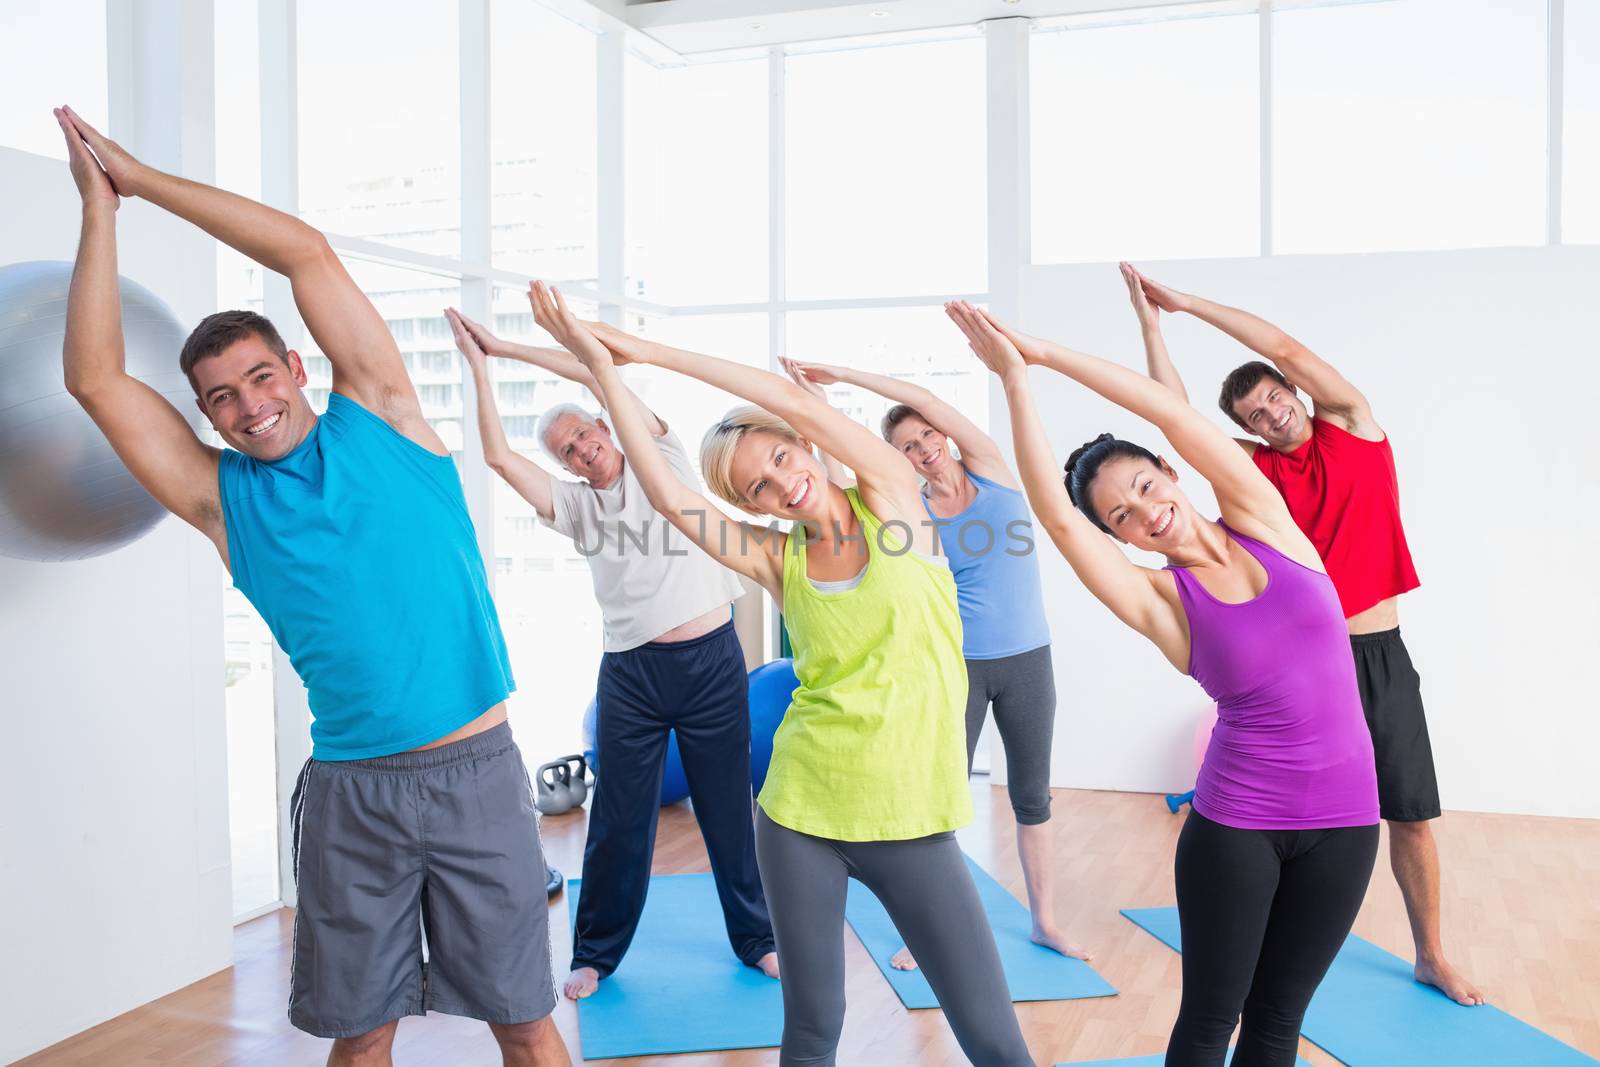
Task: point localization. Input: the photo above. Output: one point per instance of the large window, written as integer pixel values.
(63, 62)
(1146, 140)
(542, 142)
(1409, 124)
(696, 183)
(886, 179)
(252, 752)
(1580, 201)
(380, 121)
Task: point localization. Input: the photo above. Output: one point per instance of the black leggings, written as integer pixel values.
(1263, 913)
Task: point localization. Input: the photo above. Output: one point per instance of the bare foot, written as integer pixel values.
(1448, 981)
(1052, 939)
(903, 960)
(581, 982)
(769, 964)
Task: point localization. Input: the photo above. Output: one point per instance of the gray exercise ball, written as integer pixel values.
(64, 494)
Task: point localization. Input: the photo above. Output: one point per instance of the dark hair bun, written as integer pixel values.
(1086, 461)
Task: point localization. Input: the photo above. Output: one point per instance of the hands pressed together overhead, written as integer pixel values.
(94, 181)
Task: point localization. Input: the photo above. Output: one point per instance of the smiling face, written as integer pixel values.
(585, 447)
(779, 476)
(926, 448)
(1273, 412)
(1141, 503)
(254, 398)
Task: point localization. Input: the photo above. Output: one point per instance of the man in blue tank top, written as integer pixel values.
(350, 535)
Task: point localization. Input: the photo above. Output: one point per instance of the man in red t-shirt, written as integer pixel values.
(1336, 472)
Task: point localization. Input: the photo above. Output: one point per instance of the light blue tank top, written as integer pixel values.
(357, 550)
(991, 550)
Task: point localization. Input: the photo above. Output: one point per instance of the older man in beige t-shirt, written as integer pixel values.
(672, 663)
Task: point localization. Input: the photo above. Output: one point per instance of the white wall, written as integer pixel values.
(113, 760)
(1484, 368)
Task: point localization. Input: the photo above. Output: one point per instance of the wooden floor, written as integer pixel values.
(1522, 917)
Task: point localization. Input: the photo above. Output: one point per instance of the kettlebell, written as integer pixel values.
(553, 793)
(579, 787)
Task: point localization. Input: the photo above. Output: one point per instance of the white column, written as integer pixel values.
(280, 188)
(611, 233)
(163, 109)
(476, 239)
(777, 265)
(1010, 222)
(1264, 120)
(1010, 210)
(1554, 118)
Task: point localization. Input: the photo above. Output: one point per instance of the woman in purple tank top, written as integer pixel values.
(1274, 859)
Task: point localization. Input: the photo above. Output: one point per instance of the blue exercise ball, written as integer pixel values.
(64, 494)
(772, 687)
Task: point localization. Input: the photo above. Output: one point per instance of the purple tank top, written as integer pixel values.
(1290, 750)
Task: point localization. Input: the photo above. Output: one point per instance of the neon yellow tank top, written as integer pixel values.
(873, 746)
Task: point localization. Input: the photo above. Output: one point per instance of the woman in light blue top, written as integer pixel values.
(987, 535)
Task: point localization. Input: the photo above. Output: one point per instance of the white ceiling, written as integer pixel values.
(697, 27)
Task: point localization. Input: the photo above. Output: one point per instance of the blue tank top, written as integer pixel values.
(357, 550)
(991, 552)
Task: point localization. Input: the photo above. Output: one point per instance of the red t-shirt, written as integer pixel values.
(1344, 494)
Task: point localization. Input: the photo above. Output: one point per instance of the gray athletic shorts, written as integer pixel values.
(442, 844)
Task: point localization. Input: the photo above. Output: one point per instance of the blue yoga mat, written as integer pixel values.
(1032, 971)
(1370, 1012)
(680, 988)
(1147, 1061)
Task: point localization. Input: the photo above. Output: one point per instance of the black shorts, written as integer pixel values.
(1391, 697)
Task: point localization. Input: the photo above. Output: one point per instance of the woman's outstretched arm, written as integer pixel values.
(887, 480)
(1126, 588)
(1242, 491)
(837, 474)
(979, 453)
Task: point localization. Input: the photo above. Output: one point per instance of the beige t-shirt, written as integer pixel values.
(647, 576)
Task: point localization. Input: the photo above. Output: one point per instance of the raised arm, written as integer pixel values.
(1243, 492)
(979, 453)
(837, 473)
(889, 482)
(148, 434)
(531, 481)
(557, 361)
(366, 361)
(1127, 589)
(1157, 361)
(1329, 390)
(752, 551)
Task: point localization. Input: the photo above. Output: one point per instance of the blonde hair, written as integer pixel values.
(718, 445)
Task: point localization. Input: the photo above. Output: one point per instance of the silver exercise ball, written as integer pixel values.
(64, 494)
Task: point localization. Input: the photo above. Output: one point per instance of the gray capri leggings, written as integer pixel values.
(927, 890)
(1023, 691)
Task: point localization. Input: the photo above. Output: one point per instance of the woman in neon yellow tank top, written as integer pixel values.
(868, 772)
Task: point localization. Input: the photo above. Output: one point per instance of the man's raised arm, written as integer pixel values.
(366, 361)
(148, 434)
(1328, 389)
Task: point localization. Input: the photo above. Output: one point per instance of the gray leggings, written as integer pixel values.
(1023, 691)
(927, 890)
